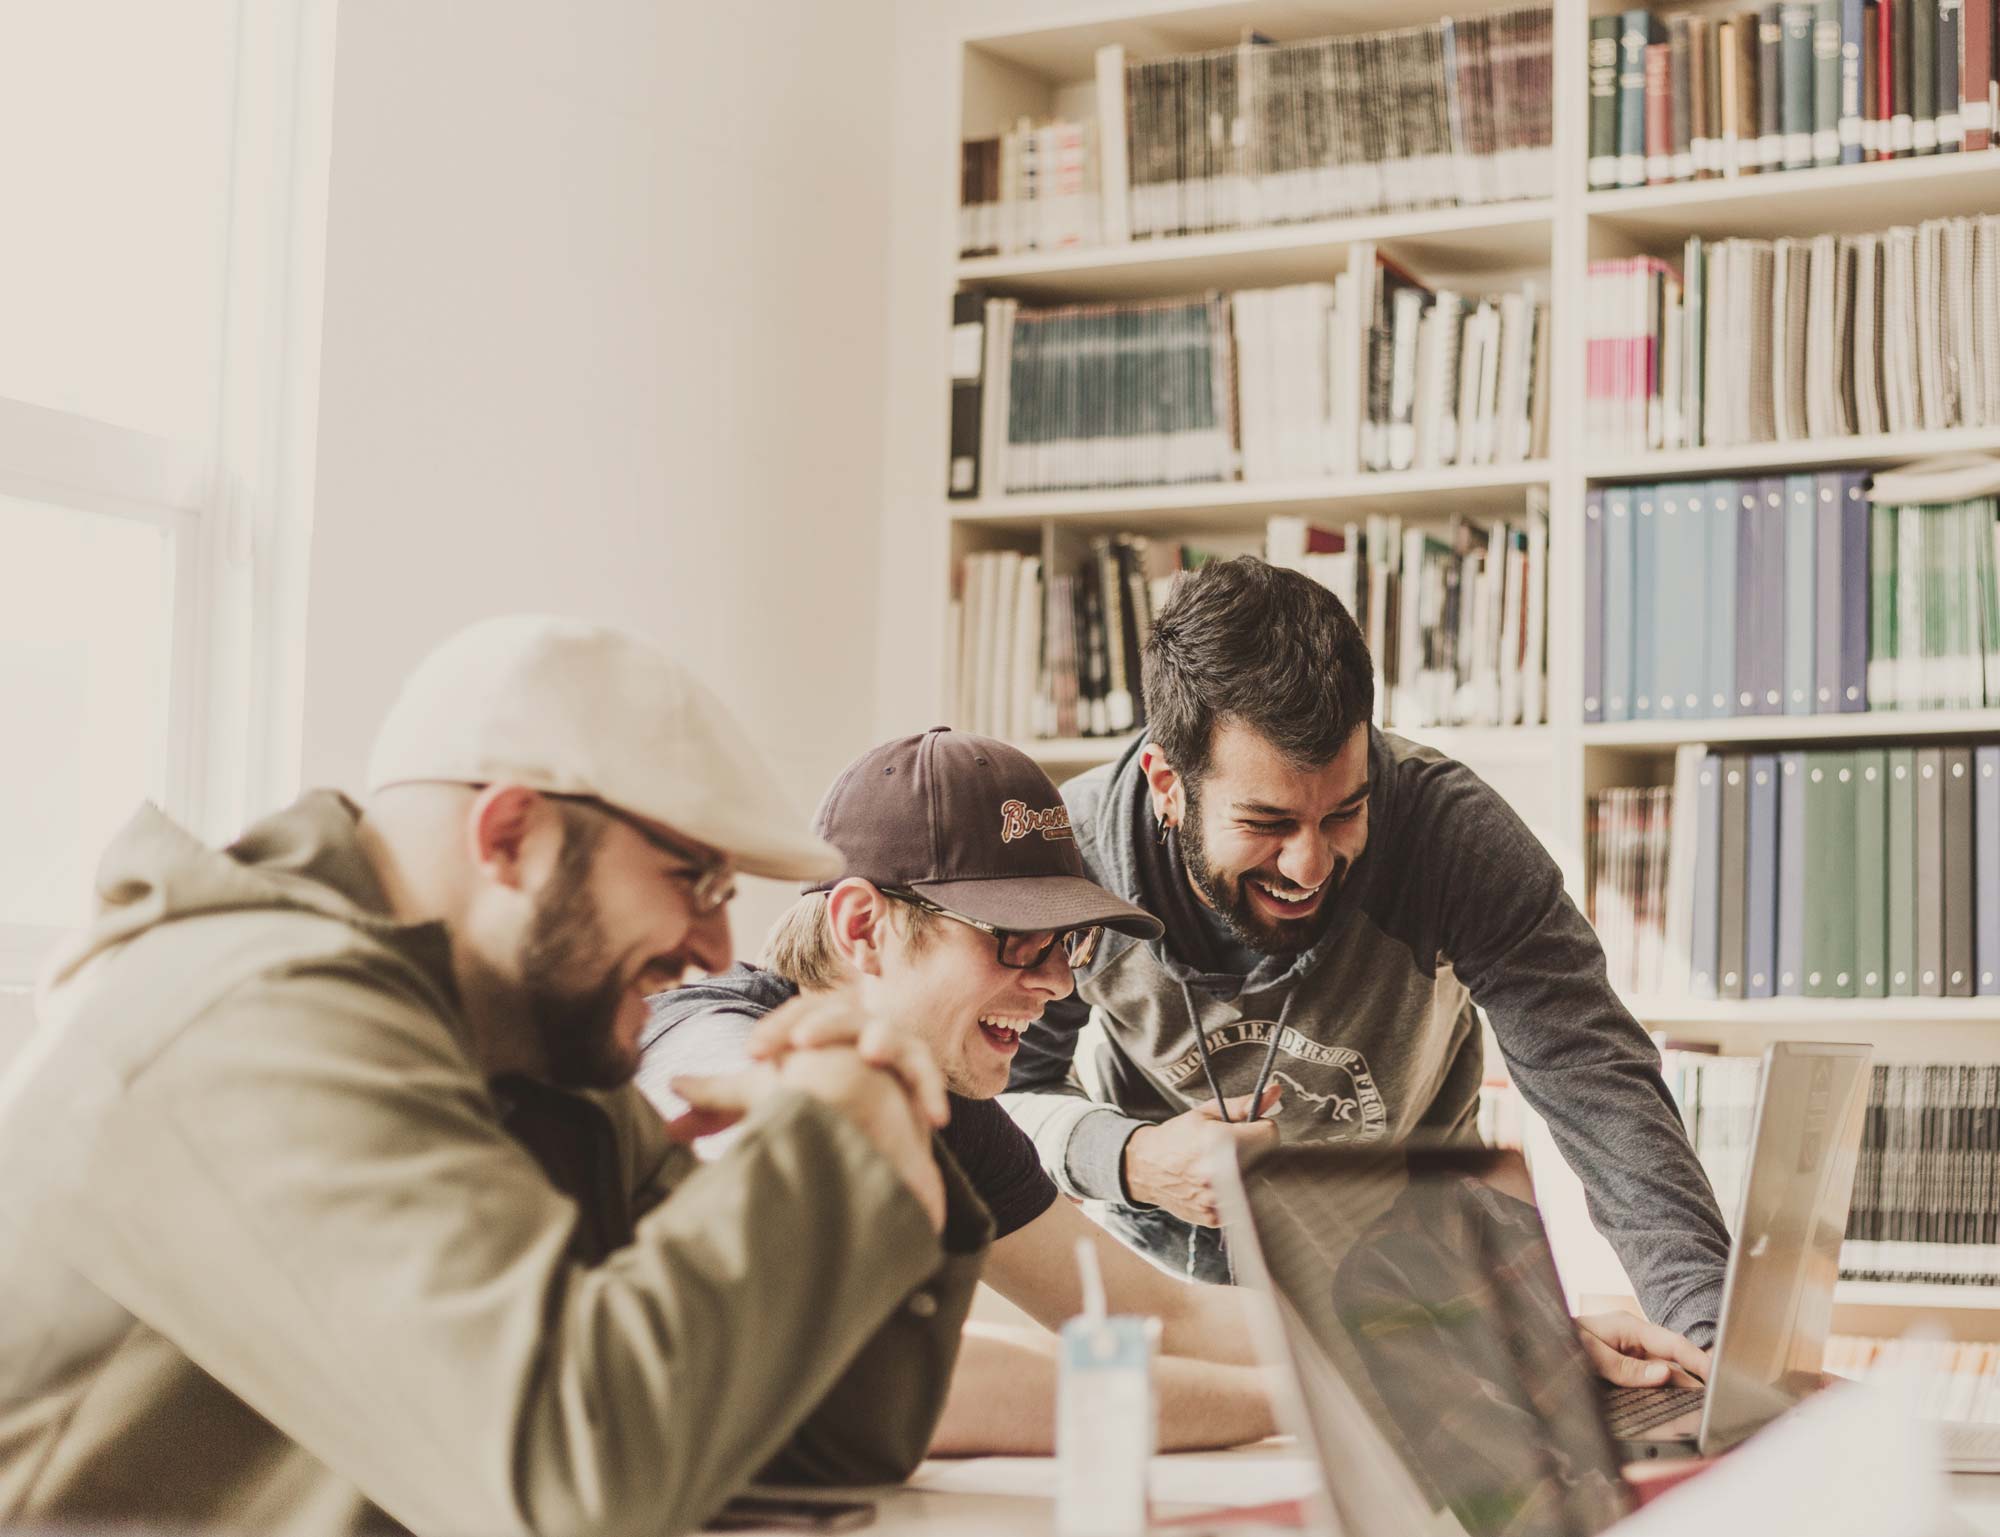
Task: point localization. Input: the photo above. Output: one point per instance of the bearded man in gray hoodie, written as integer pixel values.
(1336, 901)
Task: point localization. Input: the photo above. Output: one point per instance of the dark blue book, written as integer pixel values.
(1852, 112)
(1801, 593)
(1760, 943)
(1719, 662)
(1985, 867)
(1707, 866)
(1791, 874)
(1854, 534)
(1618, 589)
(1645, 597)
(1636, 29)
(1593, 605)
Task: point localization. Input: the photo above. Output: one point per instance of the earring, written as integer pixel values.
(1165, 828)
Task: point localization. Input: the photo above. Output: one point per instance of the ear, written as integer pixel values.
(857, 916)
(1169, 794)
(505, 830)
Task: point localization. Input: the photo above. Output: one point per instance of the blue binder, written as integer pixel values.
(1791, 874)
(1645, 597)
(1618, 603)
(1801, 581)
(1593, 605)
(1719, 672)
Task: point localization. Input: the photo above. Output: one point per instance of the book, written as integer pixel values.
(1871, 831)
(1901, 885)
(1929, 832)
(1604, 43)
(968, 363)
(1760, 947)
(1956, 864)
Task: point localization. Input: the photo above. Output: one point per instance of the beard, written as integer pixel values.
(577, 1026)
(1228, 895)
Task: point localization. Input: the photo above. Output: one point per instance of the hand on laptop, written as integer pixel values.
(1630, 1352)
(1167, 1165)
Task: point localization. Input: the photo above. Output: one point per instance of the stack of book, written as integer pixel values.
(1786, 595)
(1033, 188)
(1791, 85)
(1627, 891)
(1961, 1378)
(1924, 1207)
(1456, 619)
(1862, 873)
(1373, 371)
(1759, 341)
(1456, 111)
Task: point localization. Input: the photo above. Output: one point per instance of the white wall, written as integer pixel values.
(606, 298)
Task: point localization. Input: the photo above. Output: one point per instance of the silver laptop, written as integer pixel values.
(1777, 1293)
(1436, 1376)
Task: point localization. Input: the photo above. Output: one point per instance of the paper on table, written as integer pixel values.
(1207, 1480)
(1853, 1459)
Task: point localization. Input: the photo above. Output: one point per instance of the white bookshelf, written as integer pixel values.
(996, 59)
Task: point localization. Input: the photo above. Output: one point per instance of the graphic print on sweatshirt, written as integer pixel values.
(1329, 1093)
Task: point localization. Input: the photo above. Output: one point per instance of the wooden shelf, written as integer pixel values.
(1910, 1294)
(1866, 725)
(1489, 238)
(1846, 1019)
(1845, 199)
(1872, 452)
(1421, 494)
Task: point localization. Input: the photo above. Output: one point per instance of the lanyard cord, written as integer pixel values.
(1208, 1067)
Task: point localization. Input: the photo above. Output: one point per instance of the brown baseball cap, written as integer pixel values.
(974, 825)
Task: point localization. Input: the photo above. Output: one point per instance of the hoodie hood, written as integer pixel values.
(1123, 846)
(305, 858)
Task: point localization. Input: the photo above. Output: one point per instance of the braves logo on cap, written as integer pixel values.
(1017, 821)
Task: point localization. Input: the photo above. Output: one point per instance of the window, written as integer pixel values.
(165, 174)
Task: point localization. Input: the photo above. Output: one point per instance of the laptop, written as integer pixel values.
(1777, 1293)
(1436, 1377)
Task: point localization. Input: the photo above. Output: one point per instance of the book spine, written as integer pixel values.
(1901, 886)
(1703, 128)
(1875, 104)
(1619, 588)
(1827, 609)
(1852, 685)
(1645, 598)
(1796, 73)
(1958, 876)
(1593, 605)
(1770, 87)
(1871, 828)
(1851, 115)
(1930, 872)
(1659, 113)
(968, 363)
(1720, 650)
(1801, 561)
(1603, 164)
(1829, 877)
(1975, 111)
(1950, 122)
(1635, 31)
(1680, 71)
(1791, 874)
(1896, 67)
(1731, 926)
(1826, 82)
(1986, 868)
(1760, 873)
(1707, 865)
(1923, 76)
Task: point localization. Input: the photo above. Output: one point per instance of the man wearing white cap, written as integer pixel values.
(326, 1204)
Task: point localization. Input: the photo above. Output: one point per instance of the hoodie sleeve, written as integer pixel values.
(309, 1193)
(1532, 962)
(1081, 1142)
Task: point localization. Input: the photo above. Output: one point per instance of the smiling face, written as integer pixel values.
(1268, 843)
(614, 922)
(946, 985)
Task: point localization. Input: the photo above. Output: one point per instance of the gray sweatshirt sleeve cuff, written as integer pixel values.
(1095, 1159)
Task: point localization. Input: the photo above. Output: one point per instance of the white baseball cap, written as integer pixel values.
(572, 708)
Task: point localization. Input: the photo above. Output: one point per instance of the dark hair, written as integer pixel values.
(1242, 640)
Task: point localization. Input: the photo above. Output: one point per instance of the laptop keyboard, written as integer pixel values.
(1627, 1411)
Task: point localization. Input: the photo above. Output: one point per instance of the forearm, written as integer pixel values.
(1212, 1325)
(1003, 1399)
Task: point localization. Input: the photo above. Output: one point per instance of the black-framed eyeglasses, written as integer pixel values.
(711, 882)
(1017, 949)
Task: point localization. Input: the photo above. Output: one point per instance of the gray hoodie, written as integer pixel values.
(1453, 903)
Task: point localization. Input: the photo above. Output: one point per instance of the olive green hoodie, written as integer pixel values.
(274, 1256)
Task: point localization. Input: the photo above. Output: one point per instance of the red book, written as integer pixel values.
(1659, 112)
(1975, 109)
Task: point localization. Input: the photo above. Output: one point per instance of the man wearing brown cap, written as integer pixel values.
(962, 907)
(326, 1203)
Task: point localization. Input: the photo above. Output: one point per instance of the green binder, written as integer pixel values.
(1871, 868)
(1930, 872)
(1830, 923)
(1901, 885)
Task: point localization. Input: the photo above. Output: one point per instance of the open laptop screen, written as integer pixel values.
(1417, 1286)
